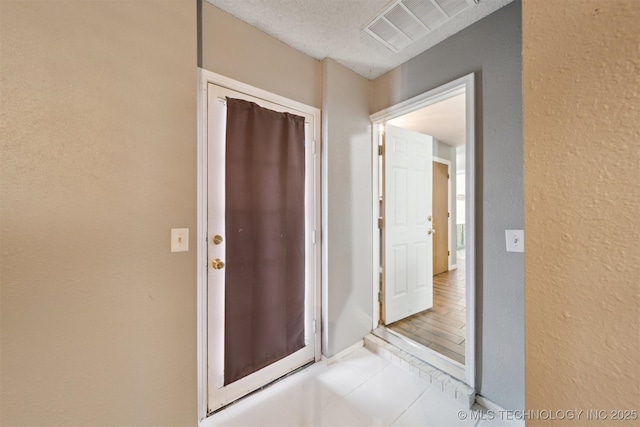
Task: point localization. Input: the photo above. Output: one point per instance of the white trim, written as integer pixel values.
(201, 247)
(376, 139)
(441, 93)
(498, 411)
(453, 266)
(441, 160)
(461, 85)
(206, 78)
(488, 404)
(470, 229)
(449, 242)
(375, 231)
(264, 95)
(344, 353)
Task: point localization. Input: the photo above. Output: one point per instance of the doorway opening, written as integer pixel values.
(424, 260)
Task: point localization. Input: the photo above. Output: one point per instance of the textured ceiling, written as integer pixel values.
(333, 29)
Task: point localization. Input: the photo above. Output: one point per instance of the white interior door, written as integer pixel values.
(218, 394)
(408, 243)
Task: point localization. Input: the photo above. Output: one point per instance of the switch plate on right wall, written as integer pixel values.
(515, 240)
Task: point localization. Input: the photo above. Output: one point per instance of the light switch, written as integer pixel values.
(179, 239)
(515, 240)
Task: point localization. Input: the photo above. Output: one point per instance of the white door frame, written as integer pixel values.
(465, 85)
(449, 240)
(204, 78)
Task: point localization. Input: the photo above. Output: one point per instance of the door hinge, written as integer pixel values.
(447, 174)
(380, 150)
(448, 214)
(379, 296)
(448, 253)
(380, 223)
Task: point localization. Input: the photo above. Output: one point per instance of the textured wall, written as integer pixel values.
(98, 128)
(236, 50)
(491, 48)
(347, 239)
(581, 80)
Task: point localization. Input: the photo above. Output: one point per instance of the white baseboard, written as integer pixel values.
(498, 411)
(453, 267)
(486, 403)
(344, 353)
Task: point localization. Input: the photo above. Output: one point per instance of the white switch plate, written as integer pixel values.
(515, 240)
(179, 239)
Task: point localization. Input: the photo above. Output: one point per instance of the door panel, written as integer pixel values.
(400, 272)
(440, 218)
(221, 392)
(422, 277)
(408, 287)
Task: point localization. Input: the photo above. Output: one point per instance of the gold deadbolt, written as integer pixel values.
(217, 239)
(431, 230)
(429, 218)
(217, 264)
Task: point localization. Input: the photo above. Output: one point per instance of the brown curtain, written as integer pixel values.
(265, 259)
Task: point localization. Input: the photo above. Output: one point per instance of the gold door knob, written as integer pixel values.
(217, 264)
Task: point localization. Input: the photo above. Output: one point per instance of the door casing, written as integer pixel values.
(466, 85)
(205, 78)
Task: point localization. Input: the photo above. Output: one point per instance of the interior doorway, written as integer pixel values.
(444, 330)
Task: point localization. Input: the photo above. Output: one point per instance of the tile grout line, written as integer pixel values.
(415, 401)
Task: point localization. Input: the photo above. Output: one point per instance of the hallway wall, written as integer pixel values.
(98, 120)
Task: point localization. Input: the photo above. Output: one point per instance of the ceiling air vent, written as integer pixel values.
(406, 21)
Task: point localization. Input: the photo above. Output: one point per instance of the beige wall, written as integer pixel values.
(347, 238)
(98, 120)
(581, 80)
(236, 50)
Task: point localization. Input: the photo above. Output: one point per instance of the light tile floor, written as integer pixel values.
(361, 389)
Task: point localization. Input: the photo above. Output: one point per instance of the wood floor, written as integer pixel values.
(442, 327)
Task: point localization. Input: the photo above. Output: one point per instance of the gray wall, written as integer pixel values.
(492, 49)
(347, 204)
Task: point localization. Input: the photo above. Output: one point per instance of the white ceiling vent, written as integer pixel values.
(406, 21)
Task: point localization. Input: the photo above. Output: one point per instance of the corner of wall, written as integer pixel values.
(347, 278)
